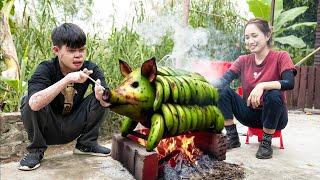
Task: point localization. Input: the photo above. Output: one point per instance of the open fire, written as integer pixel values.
(172, 148)
(191, 155)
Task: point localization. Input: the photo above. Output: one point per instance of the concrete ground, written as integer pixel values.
(299, 160)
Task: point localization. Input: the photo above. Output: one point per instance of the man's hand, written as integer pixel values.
(98, 91)
(79, 76)
(255, 95)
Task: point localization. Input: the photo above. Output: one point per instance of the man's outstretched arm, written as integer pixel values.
(42, 98)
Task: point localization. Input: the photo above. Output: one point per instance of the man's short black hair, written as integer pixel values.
(68, 34)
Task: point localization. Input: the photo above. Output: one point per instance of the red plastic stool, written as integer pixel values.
(259, 132)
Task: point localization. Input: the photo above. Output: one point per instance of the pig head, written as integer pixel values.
(135, 95)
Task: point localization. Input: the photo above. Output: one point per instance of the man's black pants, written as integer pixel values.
(44, 127)
(273, 114)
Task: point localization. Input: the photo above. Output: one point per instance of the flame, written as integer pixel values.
(183, 144)
(170, 148)
(142, 141)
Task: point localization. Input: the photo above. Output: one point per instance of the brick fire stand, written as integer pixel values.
(145, 165)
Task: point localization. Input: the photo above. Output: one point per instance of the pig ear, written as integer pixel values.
(149, 69)
(124, 68)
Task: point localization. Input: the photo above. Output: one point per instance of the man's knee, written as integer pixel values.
(25, 107)
(273, 97)
(96, 110)
(94, 105)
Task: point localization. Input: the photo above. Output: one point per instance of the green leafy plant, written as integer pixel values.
(282, 19)
(17, 86)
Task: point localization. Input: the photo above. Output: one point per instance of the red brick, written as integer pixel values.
(140, 163)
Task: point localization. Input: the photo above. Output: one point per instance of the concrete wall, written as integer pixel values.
(14, 138)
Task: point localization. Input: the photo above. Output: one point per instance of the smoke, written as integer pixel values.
(194, 48)
(188, 42)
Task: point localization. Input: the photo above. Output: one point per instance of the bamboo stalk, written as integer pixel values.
(305, 58)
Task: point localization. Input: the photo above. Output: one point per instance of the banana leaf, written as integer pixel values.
(288, 16)
(291, 40)
(299, 25)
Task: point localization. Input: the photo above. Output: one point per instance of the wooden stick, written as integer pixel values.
(95, 82)
(305, 58)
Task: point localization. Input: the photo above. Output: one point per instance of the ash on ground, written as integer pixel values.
(205, 167)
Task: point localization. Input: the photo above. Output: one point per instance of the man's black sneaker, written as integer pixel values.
(31, 161)
(96, 150)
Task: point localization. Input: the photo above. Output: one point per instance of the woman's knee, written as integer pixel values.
(273, 97)
(225, 92)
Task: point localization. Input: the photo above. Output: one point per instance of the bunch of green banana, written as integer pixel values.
(175, 119)
(182, 118)
(183, 88)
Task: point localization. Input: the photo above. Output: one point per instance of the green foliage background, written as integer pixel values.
(32, 39)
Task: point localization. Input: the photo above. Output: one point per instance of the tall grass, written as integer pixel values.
(32, 39)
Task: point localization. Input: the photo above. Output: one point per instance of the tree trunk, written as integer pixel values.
(186, 7)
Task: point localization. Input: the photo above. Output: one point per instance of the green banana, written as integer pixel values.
(186, 88)
(168, 116)
(198, 76)
(175, 120)
(174, 88)
(181, 72)
(213, 115)
(182, 119)
(204, 118)
(193, 93)
(127, 125)
(215, 94)
(181, 89)
(188, 117)
(199, 92)
(206, 93)
(194, 117)
(219, 123)
(209, 92)
(165, 86)
(159, 96)
(156, 131)
(200, 118)
(208, 116)
(161, 71)
(170, 71)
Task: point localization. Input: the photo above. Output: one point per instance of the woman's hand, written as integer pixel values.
(255, 96)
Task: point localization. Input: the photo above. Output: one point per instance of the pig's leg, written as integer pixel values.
(127, 126)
